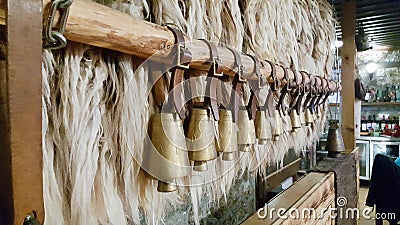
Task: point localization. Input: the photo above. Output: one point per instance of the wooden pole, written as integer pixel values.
(21, 189)
(348, 74)
(98, 25)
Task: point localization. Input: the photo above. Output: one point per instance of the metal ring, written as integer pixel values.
(60, 42)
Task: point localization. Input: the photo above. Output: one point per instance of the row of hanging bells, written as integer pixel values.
(213, 130)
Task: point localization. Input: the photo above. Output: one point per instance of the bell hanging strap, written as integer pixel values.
(237, 90)
(158, 80)
(296, 92)
(269, 101)
(285, 91)
(255, 86)
(214, 74)
(181, 63)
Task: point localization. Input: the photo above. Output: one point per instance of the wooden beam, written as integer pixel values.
(98, 25)
(348, 74)
(21, 120)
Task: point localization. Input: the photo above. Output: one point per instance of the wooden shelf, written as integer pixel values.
(334, 104)
(380, 104)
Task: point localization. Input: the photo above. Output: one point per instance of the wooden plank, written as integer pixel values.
(277, 177)
(268, 183)
(94, 24)
(348, 74)
(305, 193)
(20, 139)
(321, 195)
(380, 103)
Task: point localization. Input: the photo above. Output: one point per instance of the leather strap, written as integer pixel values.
(296, 79)
(238, 64)
(276, 82)
(286, 76)
(281, 106)
(237, 90)
(269, 103)
(321, 95)
(255, 86)
(298, 104)
(216, 69)
(327, 93)
(182, 60)
(214, 60)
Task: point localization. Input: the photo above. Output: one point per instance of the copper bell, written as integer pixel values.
(263, 127)
(201, 132)
(167, 136)
(227, 141)
(309, 117)
(246, 132)
(295, 120)
(334, 144)
(278, 128)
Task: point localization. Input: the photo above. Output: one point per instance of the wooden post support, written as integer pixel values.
(348, 74)
(21, 189)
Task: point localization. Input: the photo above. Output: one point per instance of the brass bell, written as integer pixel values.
(278, 128)
(309, 117)
(302, 118)
(246, 136)
(169, 160)
(263, 127)
(227, 139)
(334, 144)
(201, 134)
(295, 119)
(319, 111)
(166, 186)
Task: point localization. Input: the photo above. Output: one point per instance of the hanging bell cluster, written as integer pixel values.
(212, 130)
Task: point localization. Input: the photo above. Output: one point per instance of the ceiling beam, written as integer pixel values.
(390, 19)
(384, 15)
(391, 27)
(374, 12)
(382, 33)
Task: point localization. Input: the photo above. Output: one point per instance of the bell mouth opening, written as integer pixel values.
(200, 166)
(334, 154)
(166, 186)
(262, 141)
(228, 156)
(244, 147)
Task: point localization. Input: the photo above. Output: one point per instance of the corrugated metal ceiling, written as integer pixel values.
(380, 19)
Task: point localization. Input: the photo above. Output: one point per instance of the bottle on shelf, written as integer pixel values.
(397, 93)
